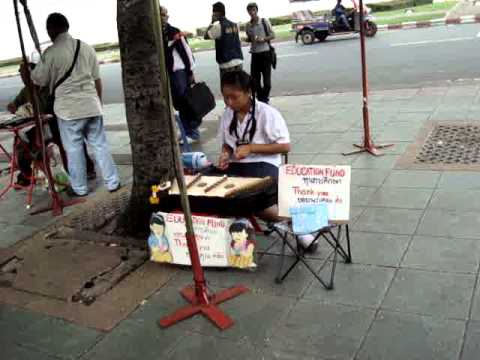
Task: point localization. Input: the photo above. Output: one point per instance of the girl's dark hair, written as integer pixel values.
(244, 82)
(157, 219)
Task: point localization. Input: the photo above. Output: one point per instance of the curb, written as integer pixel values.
(470, 19)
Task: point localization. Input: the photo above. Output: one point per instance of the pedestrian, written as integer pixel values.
(27, 145)
(180, 64)
(259, 34)
(78, 103)
(227, 41)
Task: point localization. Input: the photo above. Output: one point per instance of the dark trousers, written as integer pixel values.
(261, 67)
(179, 86)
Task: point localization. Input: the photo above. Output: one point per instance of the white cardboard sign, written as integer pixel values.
(221, 242)
(311, 184)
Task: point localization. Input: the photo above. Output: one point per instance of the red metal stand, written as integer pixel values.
(367, 145)
(200, 300)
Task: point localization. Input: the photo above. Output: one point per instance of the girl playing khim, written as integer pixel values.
(253, 137)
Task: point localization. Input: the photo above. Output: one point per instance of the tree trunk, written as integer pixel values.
(147, 105)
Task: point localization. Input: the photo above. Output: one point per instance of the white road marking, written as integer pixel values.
(299, 54)
(426, 42)
(478, 35)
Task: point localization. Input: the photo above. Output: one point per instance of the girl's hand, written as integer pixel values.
(223, 160)
(242, 152)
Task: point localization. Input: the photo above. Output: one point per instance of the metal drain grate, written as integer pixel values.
(451, 144)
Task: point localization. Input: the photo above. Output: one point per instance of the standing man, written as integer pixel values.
(180, 64)
(259, 34)
(78, 103)
(227, 41)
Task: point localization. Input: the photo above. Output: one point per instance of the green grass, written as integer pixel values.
(404, 18)
(437, 7)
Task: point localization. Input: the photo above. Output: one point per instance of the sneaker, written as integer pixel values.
(22, 181)
(190, 141)
(116, 188)
(70, 192)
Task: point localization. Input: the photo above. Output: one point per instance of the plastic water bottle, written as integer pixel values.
(195, 160)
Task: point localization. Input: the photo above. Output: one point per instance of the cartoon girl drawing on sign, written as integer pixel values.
(157, 241)
(242, 244)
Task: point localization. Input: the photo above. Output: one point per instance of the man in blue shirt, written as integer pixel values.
(341, 15)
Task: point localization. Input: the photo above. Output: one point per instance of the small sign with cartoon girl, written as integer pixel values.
(157, 241)
(242, 244)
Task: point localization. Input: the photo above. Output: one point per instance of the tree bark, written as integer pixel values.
(147, 105)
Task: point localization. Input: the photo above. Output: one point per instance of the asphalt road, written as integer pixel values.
(396, 59)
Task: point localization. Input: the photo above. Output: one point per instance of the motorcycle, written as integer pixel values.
(320, 29)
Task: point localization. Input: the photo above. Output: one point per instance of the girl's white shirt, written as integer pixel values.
(271, 129)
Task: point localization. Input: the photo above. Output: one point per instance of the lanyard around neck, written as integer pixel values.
(247, 126)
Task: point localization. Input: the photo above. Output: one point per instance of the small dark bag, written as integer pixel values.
(51, 97)
(273, 53)
(199, 100)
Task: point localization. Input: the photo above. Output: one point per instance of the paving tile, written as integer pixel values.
(374, 162)
(476, 305)
(333, 159)
(254, 314)
(460, 200)
(304, 159)
(62, 339)
(396, 336)
(387, 220)
(368, 177)
(355, 285)
(451, 224)
(197, 346)
(10, 234)
(17, 320)
(137, 339)
(378, 249)
(459, 181)
(413, 179)
(312, 143)
(262, 281)
(471, 347)
(314, 330)
(401, 198)
(15, 352)
(443, 254)
(355, 212)
(437, 294)
(361, 196)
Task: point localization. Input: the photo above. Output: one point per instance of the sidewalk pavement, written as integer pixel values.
(412, 290)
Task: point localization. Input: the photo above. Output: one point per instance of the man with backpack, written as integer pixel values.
(259, 34)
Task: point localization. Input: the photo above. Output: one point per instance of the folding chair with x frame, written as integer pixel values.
(284, 231)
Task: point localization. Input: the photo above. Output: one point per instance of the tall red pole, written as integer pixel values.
(367, 145)
(200, 299)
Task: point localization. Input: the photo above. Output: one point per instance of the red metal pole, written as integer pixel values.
(367, 143)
